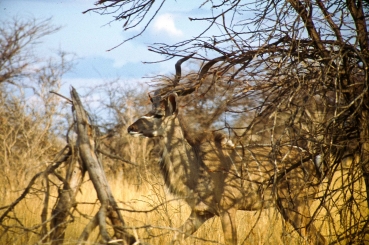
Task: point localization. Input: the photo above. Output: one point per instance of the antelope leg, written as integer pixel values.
(228, 220)
(196, 219)
(296, 212)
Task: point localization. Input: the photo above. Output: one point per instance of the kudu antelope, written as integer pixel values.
(217, 178)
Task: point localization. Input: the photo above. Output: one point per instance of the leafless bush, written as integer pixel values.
(31, 117)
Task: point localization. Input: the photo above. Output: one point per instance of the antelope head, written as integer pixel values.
(155, 123)
(164, 103)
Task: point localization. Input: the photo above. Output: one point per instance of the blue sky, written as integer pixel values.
(90, 35)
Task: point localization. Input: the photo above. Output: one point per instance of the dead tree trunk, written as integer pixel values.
(66, 200)
(87, 151)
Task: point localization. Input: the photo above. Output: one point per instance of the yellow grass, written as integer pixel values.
(167, 213)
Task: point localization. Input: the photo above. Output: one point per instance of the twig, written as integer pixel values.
(67, 99)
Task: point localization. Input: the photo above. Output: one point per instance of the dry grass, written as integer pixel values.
(155, 227)
(159, 225)
(165, 214)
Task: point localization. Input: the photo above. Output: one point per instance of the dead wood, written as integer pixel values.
(66, 200)
(87, 152)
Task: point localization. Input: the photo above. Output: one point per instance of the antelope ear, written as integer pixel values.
(172, 104)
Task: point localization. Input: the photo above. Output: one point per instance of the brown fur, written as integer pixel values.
(217, 178)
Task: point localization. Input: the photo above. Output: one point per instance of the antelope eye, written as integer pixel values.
(158, 116)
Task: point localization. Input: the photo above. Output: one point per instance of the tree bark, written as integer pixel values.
(66, 200)
(364, 149)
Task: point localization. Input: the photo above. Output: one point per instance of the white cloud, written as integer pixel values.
(165, 23)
